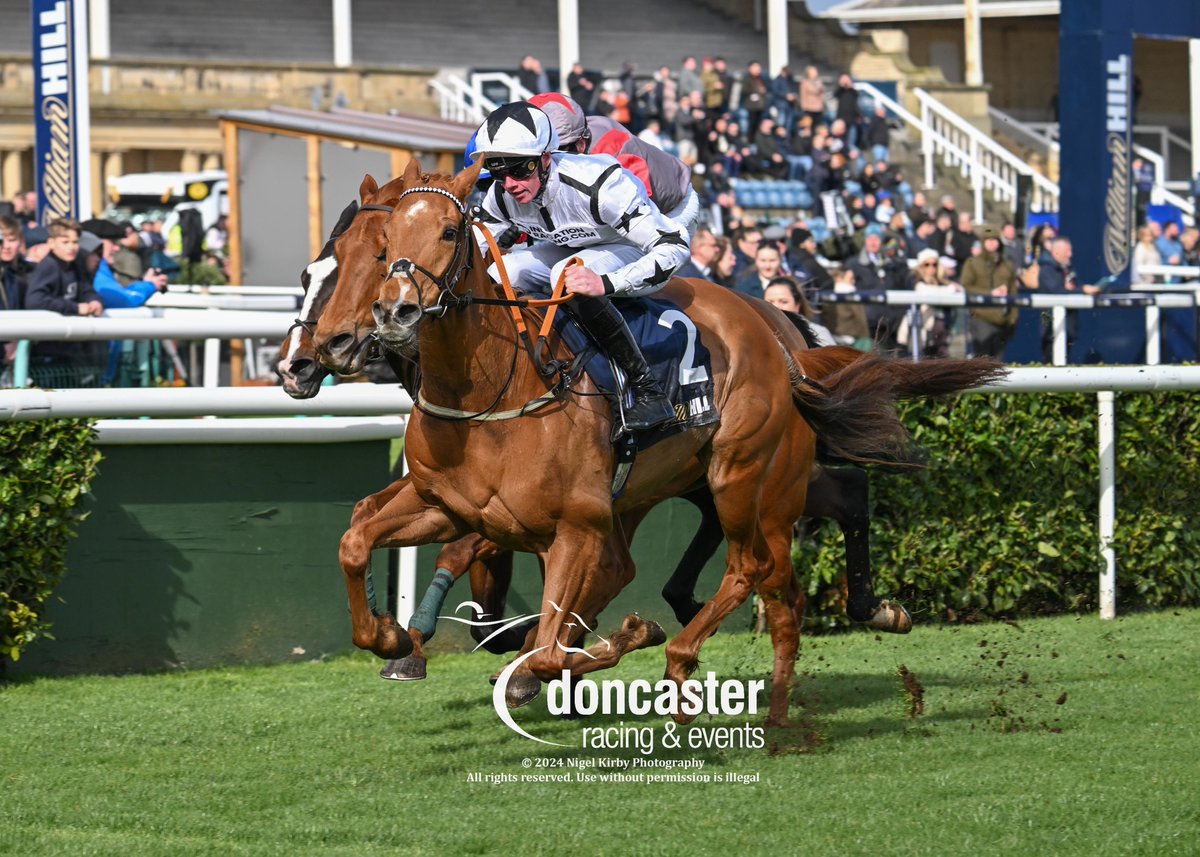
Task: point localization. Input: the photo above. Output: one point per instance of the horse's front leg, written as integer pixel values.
(403, 521)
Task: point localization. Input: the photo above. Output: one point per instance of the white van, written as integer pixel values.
(140, 196)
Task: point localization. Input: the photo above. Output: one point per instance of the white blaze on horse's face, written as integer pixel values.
(322, 274)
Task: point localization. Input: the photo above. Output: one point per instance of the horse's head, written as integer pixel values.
(298, 366)
(346, 336)
(430, 249)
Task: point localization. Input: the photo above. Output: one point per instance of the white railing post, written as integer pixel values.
(1106, 429)
(1058, 317)
(976, 179)
(1153, 335)
(926, 141)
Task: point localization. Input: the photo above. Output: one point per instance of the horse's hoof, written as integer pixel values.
(411, 668)
(890, 617)
(522, 689)
(655, 635)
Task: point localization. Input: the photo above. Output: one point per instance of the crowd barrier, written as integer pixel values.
(360, 399)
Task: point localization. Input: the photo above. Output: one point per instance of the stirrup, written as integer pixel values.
(648, 411)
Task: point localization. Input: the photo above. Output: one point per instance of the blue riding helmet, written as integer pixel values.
(469, 158)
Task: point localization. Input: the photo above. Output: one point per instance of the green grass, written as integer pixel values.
(327, 759)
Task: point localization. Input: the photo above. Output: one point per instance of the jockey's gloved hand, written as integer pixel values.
(510, 236)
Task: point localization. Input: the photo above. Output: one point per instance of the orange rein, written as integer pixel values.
(557, 296)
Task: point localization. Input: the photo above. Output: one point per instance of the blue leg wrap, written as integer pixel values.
(371, 592)
(424, 619)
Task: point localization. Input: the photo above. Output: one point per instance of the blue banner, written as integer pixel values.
(62, 148)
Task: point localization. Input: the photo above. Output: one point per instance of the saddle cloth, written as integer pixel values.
(678, 359)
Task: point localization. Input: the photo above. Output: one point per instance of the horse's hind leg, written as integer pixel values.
(782, 601)
(842, 493)
(680, 590)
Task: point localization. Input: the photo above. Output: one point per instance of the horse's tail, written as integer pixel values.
(853, 408)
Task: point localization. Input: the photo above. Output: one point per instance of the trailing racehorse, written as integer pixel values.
(541, 483)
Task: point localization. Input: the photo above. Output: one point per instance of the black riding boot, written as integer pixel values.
(601, 320)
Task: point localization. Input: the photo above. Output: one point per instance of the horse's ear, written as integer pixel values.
(367, 187)
(465, 181)
(412, 171)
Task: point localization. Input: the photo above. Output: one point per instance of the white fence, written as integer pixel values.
(358, 399)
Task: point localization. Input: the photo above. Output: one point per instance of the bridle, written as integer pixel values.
(447, 299)
(306, 323)
(459, 264)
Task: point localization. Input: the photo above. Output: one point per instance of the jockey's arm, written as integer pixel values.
(625, 207)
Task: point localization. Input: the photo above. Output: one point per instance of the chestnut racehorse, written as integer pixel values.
(838, 493)
(479, 474)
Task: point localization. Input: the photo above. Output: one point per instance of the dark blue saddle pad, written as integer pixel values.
(677, 357)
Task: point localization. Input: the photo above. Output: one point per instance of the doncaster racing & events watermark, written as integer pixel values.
(632, 749)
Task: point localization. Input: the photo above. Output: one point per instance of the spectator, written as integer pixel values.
(1190, 239)
(37, 246)
(753, 101)
(962, 240)
(14, 277)
(1040, 240)
(783, 99)
(113, 292)
(666, 99)
(784, 292)
(949, 207)
(1170, 248)
(767, 265)
(802, 258)
(812, 96)
(690, 84)
(704, 254)
(846, 97)
(532, 76)
(1011, 246)
(768, 158)
(725, 79)
(919, 211)
(1143, 184)
(652, 135)
(1145, 252)
(60, 283)
(746, 243)
(928, 277)
(713, 85)
(724, 261)
(217, 237)
(877, 137)
(581, 87)
(847, 321)
(991, 273)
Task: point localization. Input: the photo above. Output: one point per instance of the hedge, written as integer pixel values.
(46, 467)
(1004, 523)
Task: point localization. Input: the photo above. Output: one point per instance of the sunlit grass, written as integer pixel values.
(1059, 736)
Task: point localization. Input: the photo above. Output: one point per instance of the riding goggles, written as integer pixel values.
(519, 168)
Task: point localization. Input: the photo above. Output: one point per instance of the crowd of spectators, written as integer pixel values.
(82, 269)
(867, 229)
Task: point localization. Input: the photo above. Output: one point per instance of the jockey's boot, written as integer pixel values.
(605, 324)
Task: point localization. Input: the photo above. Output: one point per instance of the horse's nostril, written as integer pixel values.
(302, 368)
(339, 343)
(407, 314)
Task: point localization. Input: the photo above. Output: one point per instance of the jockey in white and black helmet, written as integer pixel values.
(584, 206)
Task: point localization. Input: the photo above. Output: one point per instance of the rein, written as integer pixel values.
(448, 299)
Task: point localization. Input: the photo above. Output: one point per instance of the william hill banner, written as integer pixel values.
(61, 121)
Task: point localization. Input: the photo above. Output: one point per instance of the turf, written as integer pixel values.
(1052, 736)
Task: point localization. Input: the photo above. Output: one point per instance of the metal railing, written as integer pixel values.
(461, 101)
(988, 166)
(361, 399)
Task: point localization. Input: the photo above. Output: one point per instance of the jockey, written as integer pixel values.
(583, 206)
(667, 179)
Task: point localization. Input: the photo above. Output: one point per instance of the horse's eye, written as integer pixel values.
(450, 234)
(382, 254)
